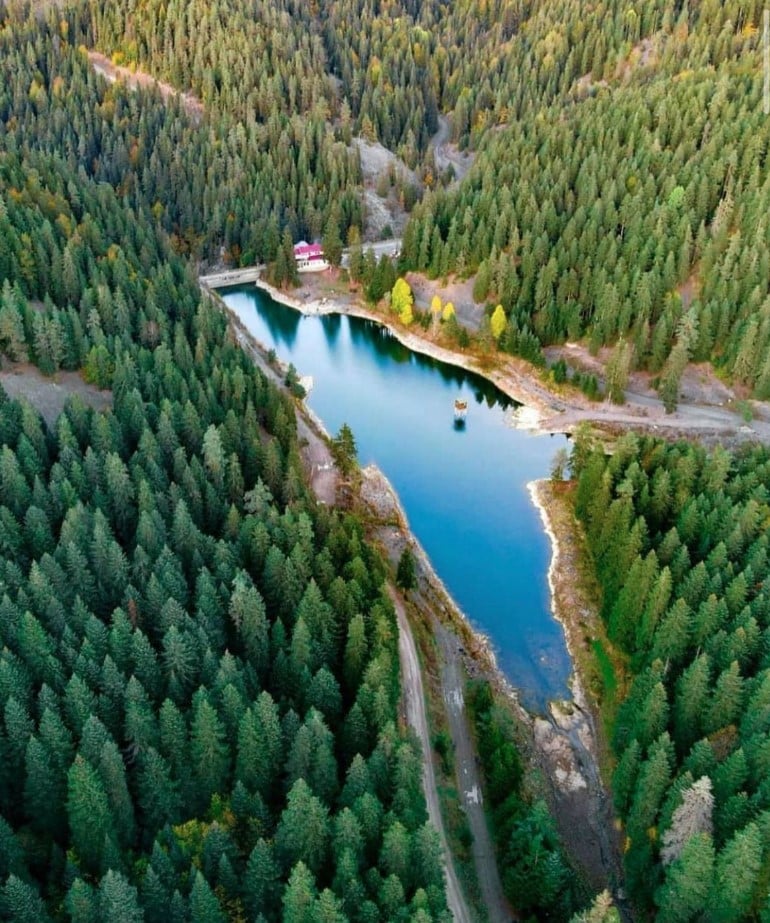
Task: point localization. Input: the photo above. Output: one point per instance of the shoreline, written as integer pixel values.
(534, 406)
(481, 649)
(576, 722)
(535, 490)
(542, 410)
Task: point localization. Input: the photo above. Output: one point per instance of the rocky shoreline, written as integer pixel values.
(570, 740)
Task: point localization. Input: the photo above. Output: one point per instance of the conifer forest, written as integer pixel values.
(201, 702)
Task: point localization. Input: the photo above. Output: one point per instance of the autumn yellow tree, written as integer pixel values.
(449, 311)
(499, 322)
(401, 300)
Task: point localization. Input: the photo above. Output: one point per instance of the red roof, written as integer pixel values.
(309, 251)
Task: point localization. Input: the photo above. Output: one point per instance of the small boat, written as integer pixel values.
(461, 410)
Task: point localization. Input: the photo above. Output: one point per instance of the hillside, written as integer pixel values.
(199, 689)
(198, 669)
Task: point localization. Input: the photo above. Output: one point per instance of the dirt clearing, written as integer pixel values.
(134, 79)
(458, 291)
(49, 395)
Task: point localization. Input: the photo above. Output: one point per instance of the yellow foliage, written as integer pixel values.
(449, 311)
(65, 224)
(190, 837)
(498, 322)
(401, 298)
(435, 305)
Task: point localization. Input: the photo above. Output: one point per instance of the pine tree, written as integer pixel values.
(204, 906)
(684, 894)
(261, 884)
(118, 900)
(299, 895)
(406, 573)
(20, 903)
(208, 749)
(692, 817)
(88, 810)
(303, 831)
(734, 881)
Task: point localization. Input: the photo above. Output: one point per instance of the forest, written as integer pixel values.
(680, 545)
(199, 675)
(198, 667)
(617, 194)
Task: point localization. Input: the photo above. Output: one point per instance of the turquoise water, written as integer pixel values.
(464, 491)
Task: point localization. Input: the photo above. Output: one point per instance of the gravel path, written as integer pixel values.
(414, 701)
(468, 778)
(138, 78)
(446, 154)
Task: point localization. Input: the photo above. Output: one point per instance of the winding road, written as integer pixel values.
(446, 154)
(414, 703)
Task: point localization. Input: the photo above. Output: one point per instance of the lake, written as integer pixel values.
(464, 490)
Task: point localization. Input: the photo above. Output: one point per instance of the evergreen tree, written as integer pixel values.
(406, 573)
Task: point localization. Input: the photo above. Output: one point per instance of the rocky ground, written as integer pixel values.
(49, 395)
(570, 741)
(382, 212)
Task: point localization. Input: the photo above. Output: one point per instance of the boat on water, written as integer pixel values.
(461, 410)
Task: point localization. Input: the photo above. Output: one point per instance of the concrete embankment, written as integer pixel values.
(231, 277)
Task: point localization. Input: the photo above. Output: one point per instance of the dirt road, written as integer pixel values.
(468, 778)
(138, 78)
(446, 154)
(315, 451)
(414, 701)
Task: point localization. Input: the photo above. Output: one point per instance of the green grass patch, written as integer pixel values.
(606, 670)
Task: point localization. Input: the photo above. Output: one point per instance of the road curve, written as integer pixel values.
(414, 702)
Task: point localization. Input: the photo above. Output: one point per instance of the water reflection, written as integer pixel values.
(332, 327)
(464, 490)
